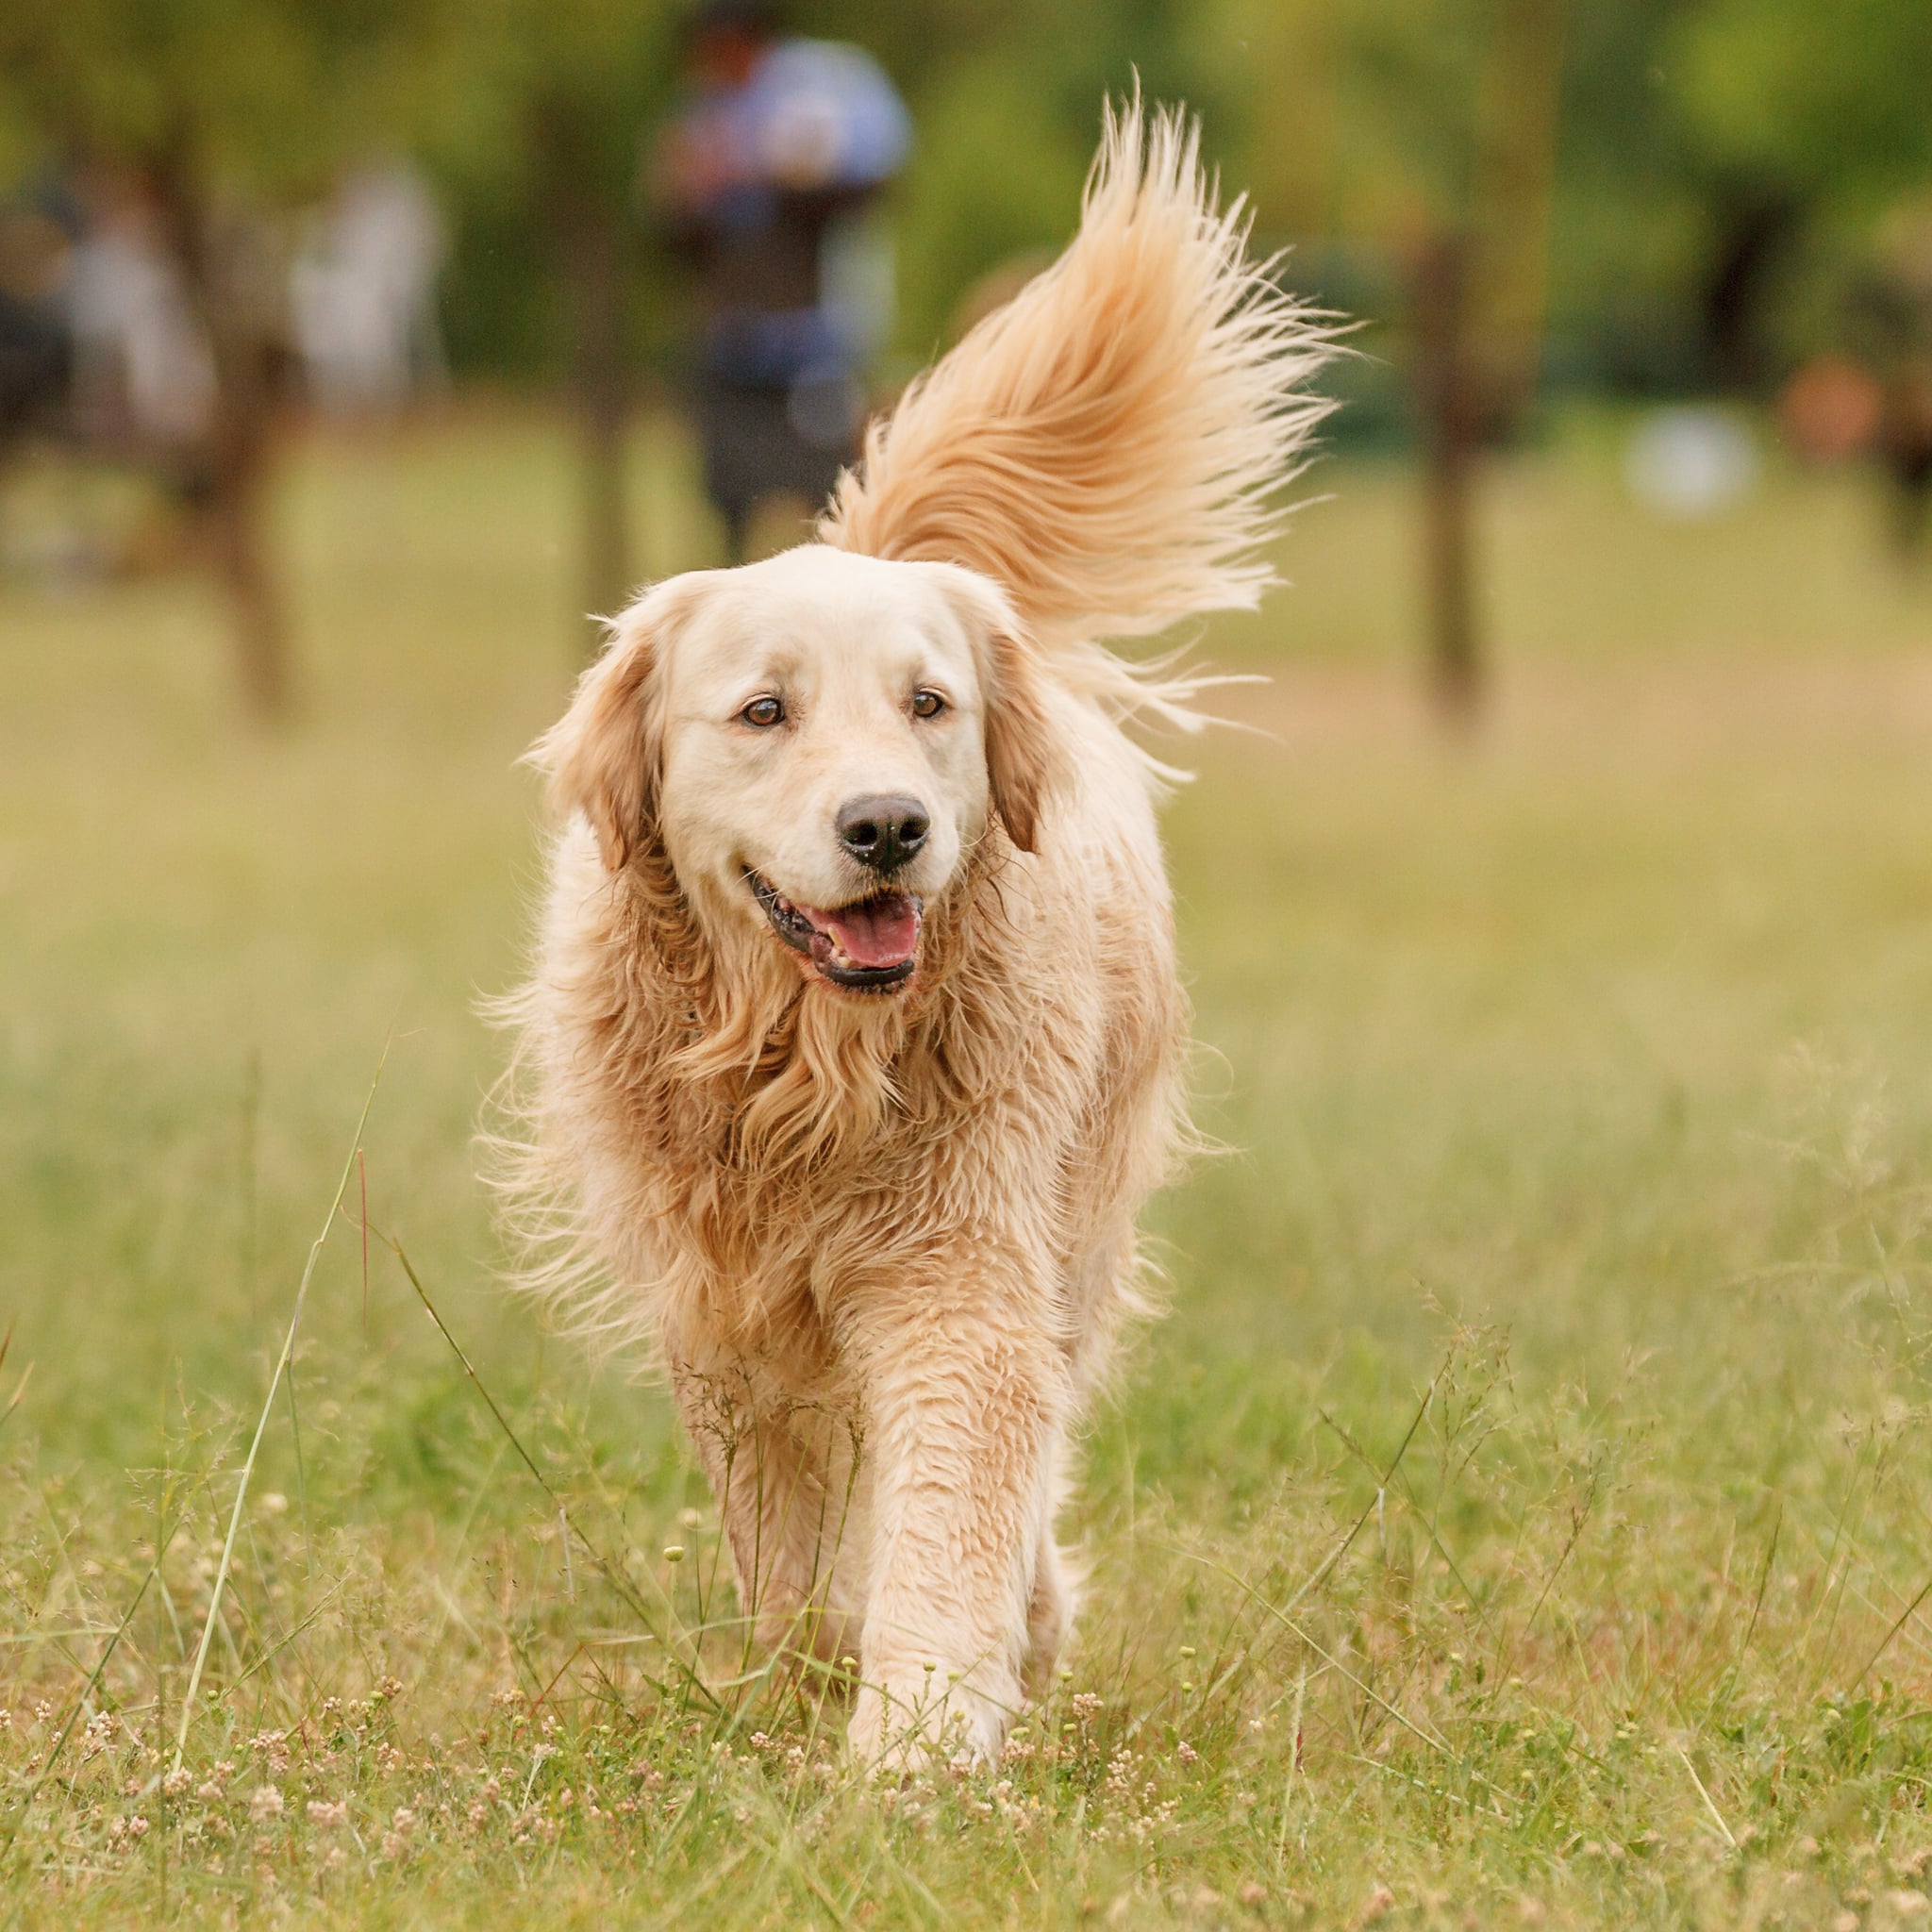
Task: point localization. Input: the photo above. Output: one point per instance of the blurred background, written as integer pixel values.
(699, 242)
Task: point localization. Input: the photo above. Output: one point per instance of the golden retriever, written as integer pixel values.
(854, 1041)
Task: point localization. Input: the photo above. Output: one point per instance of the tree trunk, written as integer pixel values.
(591, 231)
(237, 513)
(234, 289)
(1480, 301)
(1449, 405)
(597, 278)
(1507, 277)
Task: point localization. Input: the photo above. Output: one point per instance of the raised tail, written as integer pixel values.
(1108, 445)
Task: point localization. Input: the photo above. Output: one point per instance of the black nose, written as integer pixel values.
(883, 833)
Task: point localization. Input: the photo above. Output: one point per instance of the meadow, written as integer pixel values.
(1523, 1515)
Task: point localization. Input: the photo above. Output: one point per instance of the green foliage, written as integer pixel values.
(996, 176)
(255, 95)
(605, 67)
(1829, 101)
(1352, 121)
(534, 107)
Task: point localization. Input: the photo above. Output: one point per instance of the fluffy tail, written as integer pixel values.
(1108, 444)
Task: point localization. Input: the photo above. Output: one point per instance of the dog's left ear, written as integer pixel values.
(1025, 765)
(603, 756)
(1022, 760)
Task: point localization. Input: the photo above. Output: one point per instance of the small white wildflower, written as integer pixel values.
(264, 1804)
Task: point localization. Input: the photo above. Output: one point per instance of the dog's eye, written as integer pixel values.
(927, 704)
(763, 712)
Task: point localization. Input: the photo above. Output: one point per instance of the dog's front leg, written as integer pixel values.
(781, 1477)
(964, 1401)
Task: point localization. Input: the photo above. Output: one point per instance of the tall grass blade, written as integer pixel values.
(605, 1568)
(214, 1608)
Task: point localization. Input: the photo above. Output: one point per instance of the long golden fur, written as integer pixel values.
(879, 1233)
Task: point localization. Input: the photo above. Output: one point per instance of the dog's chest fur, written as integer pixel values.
(769, 1165)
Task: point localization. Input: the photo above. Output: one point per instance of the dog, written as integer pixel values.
(855, 1039)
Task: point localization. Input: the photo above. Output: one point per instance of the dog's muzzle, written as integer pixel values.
(871, 945)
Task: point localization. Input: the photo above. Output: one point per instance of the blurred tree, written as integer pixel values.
(1707, 156)
(1808, 120)
(226, 111)
(1435, 132)
(1480, 314)
(543, 106)
(1828, 103)
(995, 178)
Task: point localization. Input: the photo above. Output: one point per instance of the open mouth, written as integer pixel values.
(869, 946)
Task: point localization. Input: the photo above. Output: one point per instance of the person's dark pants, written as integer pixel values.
(755, 449)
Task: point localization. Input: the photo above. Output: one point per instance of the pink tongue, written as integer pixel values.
(881, 932)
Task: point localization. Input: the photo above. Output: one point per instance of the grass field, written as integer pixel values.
(1524, 1516)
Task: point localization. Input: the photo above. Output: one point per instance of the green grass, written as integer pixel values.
(1578, 1081)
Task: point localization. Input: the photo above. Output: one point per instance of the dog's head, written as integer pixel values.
(816, 743)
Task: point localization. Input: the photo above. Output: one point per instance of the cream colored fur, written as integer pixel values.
(882, 1243)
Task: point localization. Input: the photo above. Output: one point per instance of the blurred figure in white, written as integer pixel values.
(363, 292)
(1691, 462)
(143, 378)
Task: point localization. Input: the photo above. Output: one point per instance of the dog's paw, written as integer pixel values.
(909, 1721)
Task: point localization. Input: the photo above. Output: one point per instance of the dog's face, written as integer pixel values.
(817, 742)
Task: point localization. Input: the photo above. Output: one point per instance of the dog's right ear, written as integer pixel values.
(604, 756)
(1024, 767)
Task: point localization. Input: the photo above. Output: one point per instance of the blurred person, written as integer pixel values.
(1905, 446)
(38, 231)
(102, 352)
(1894, 316)
(99, 339)
(143, 368)
(758, 180)
(1829, 409)
(362, 293)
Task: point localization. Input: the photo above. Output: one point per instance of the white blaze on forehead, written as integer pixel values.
(843, 642)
